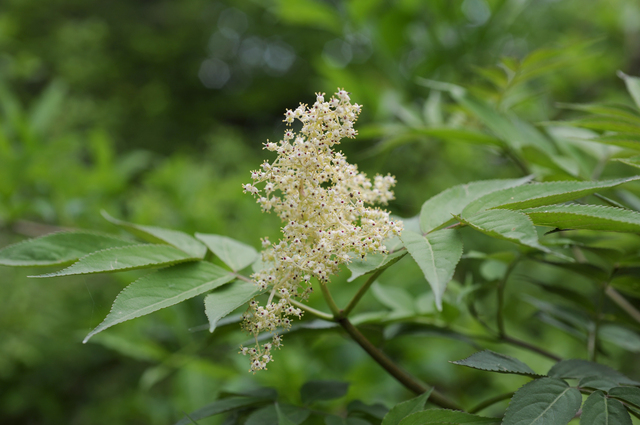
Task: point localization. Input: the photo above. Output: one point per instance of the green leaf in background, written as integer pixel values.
(313, 391)
(221, 406)
(161, 289)
(377, 410)
(282, 418)
(598, 409)
(337, 420)
(224, 300)
(623, 140)
(180, 240)
(591, 217)
(577, 369)
(620, 336)
(122, 258)
(56, 249)
(269, 415)
(597, 383)
(633, 86)
(394, 297)
(616, 111)
(233, 253)
(544, 400)
(437, 254)
(630, 395)
(360, 267)
(404, 409)
(443, 416)
(634, 161)
(496, 362)
(512, 226)
(439, 209)
(538, 194)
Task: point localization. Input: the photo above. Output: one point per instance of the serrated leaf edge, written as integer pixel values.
(61, 272)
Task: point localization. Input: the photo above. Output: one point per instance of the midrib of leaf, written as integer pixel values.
(433, 261)
(550, 406)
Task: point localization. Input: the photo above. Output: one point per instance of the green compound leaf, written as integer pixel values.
(496, 362)
(539, 194)
(221, 406)
(439, 209)
(313, 391)
(542, 401)
(591, 217)
(512, 226)
(161, 289)
(404, 409)
(125, 258)
(180, 240)
(437, 254)
(58, 249)
(578, 369)
(360, 267)
(233, 253)
(223, 301)
(443, 416)
(629, 395)
(601, 410)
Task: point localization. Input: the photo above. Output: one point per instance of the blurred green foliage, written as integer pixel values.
(156, 111)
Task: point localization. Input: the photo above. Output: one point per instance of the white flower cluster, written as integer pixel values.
(321, 198)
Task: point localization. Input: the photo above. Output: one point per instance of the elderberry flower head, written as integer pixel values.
(321, 199)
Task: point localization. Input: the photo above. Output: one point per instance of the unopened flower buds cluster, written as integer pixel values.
(322, 200)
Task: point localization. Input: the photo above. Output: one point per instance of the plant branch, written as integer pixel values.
(592, 342)
(491, 402)
(394, 370)
(330, 302)
(320, 314)
(513, 341)
(622, 302)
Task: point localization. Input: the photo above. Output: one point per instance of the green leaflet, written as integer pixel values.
(512, 226)
(58, 248)
(161, 289)
(443, 416)
(597, 383)
(124, 258)
(538, 194)
(592, 217)
(337, 420)
(440, 208)
(270, 416)
(221, 406)
(224, 300)
(180, 240)
(313, 391)
(630, 395)
(544, 400)
(634, 161)
(496, 362)
(233, 253)
(437, 254)
(620, 336)
(404, 409)
(601, 410)
(375, 261)
(394, 297)
(624, 140)
(577, 369)
(633, 86)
